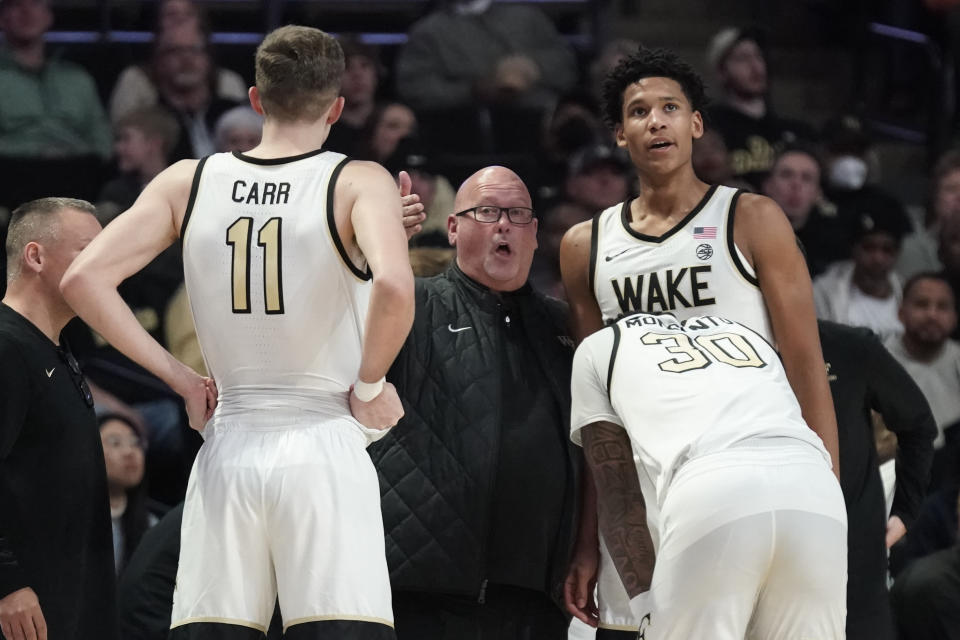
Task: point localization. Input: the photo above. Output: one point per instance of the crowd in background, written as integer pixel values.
(480, 81)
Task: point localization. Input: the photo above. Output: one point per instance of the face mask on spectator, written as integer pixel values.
(848, 172)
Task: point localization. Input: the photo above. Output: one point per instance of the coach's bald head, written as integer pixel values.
(497, 254)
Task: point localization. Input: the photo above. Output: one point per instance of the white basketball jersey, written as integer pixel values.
(684, 390)
(693, 269)
(278, 305)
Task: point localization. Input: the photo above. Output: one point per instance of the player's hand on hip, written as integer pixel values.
(895, 530)
(200, 397)
(21, 617)
(579, 585)
(382, 412)
(413, 211)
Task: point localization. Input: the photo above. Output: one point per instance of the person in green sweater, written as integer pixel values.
(49, 108)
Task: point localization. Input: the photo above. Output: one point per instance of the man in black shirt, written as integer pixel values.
(478, 479)
(743, 114)
(56, 549)
(864, 377)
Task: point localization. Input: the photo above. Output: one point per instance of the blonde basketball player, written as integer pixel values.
(296, 267)
(752, 524)
(687, 248)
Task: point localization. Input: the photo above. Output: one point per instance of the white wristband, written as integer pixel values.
(367, 391)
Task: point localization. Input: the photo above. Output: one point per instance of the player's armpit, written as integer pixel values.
(622, 510)
(764, 235)
(585, 317)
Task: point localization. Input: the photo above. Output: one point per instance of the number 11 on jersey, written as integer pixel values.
(239, 236)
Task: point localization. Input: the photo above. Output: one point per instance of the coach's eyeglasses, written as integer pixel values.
(489, 214)
(77, 376)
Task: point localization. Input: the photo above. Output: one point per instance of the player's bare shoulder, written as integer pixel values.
(575, 245)
(359, 175)
(360, 180)
(169, 192)
(759, 222)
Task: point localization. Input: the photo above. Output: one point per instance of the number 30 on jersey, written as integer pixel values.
(239, 237)
(728, 348)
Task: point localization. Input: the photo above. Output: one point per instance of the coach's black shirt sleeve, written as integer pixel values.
(14, 396)
(896, 397)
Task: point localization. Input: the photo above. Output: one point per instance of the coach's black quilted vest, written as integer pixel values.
(437, 466)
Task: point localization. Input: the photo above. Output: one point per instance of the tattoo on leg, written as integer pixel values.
(621, 509)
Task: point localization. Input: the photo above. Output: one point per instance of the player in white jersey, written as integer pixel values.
(688, 248)
(751, 538)
(297, 272)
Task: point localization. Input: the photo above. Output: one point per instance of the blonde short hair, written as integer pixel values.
(298, 72)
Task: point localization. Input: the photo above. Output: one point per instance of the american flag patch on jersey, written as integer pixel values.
(705, 233)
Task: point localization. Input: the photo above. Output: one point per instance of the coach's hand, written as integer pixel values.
(579, 585)
(413, 213)
(382, 412)
(21, 617)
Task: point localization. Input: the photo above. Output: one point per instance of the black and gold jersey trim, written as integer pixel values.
(275, 161)
(625, 219)
(194, 188)
(332, 225)
(594, 245)
(613, 359)
(732, 245)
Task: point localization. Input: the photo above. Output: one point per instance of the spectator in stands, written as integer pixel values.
(143, 143)
(390, 123)
(124, 442)
(361, 79)
(184, 80)
(477, 51)
(743, 115)
(794, 184)
(864, 291)
(575, 123)
(851, 172)
(556, 220)
(48, 107)
(712, 163)
(919, 251)
(926, 596)
(933, 360)
(239, 129)
(176, 13)
(137, 85)
(608, 58)
(949, 254)
(598, 177)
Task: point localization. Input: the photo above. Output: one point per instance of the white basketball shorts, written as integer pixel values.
(287, 507)
(752, 544)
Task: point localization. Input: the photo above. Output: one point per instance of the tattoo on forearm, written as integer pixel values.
(622, 511)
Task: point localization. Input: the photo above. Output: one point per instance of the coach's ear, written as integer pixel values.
(33, 257)
(452, 223)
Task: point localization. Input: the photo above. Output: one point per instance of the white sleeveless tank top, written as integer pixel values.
(693, 269)
(278, 305)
